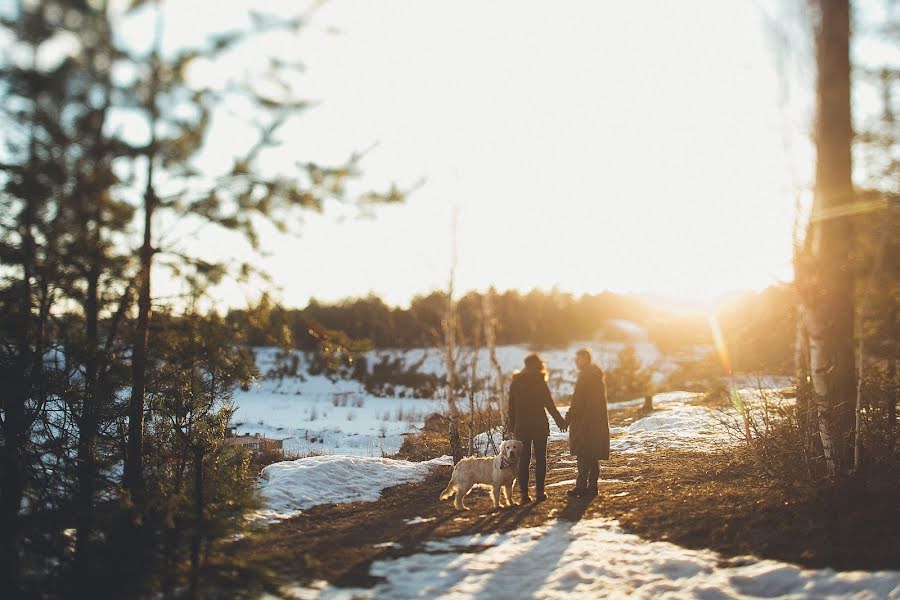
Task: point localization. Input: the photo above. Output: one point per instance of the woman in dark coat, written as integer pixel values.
(588, 424)
(529, 396)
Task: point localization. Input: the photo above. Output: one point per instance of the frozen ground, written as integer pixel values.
(679, 425)
(293, 485)
(317, 415)
(586, 559)
(560, 361)
(596, 559)
(290, 486)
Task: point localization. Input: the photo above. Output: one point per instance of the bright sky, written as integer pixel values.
(629, 146)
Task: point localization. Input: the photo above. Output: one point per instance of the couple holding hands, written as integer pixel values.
(586, 421)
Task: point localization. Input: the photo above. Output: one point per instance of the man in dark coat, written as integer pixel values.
(529, 396)
(588, 424)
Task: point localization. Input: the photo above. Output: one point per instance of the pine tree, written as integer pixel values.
(629, 378)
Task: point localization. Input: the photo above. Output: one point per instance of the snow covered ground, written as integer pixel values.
(290, 486)
(560, 361)
(293, 485)
(596, 559)
(678, 425)
(587, 559)
(317, 415)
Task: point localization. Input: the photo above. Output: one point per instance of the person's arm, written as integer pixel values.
(511, 408)
(575, 404)
(551, 408)
(603, 400)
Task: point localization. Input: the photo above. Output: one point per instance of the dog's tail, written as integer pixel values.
(449, 490)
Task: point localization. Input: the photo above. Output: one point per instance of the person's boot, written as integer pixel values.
(524, 498)
(591, 491)
(576, 492)
(540, 496)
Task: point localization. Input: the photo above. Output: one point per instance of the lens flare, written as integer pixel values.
(719, 340)
(736, 399)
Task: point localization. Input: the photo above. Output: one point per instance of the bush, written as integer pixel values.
(629, 378)
(785, 437)
(704, 375)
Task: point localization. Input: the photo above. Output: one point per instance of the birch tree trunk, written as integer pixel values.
(826, 282)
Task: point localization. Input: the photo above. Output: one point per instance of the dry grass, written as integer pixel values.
(717, 500)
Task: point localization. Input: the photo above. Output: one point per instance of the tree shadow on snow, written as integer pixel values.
(529, 571)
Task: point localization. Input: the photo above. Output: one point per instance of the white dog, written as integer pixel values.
(492, 472)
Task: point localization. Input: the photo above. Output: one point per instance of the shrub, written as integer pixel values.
(629, 378)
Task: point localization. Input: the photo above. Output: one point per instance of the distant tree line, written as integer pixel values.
(758, 327)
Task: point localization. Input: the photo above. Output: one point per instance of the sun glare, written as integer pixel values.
(719, 342)
(603, 158)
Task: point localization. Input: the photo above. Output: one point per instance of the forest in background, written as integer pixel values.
(758, 327)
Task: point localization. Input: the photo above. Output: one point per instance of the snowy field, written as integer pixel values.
(288, 487)
(588, 559)
(316, 415)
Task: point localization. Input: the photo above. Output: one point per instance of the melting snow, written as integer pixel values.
(587, 559)
(597, 559)
(289, 487)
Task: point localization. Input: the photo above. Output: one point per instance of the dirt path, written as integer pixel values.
(693, 499)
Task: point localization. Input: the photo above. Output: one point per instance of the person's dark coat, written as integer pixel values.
(528, 397)
(587, 416)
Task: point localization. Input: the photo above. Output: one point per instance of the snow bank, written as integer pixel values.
(663, 398)
(289, 487)
(596, 559)
(681, 426)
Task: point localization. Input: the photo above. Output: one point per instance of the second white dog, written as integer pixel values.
(492, 472)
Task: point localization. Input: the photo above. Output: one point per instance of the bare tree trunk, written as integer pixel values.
(197, 537)
(490, 339)
(473, 384)
(826, 283)
(172, 538)
(819, 366)
(12, 466)
(450, 355)
(893, 399)
(449, 327)
(806, 420)
(134, 457)
(87, 433)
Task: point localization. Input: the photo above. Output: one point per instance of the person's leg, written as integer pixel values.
(581, 480)
(524, 464)
(540, 466)
(593, 475)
